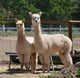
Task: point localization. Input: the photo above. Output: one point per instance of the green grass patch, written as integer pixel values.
(78, 72)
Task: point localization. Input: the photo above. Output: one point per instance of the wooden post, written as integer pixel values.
(70, 30)
(70, 34)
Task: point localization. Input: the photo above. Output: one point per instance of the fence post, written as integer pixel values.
(70, 34)
(60, 28)
(70, 30)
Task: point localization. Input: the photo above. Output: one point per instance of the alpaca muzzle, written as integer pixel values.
(36, 21)
(18, 26)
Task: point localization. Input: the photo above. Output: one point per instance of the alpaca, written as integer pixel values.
(46, 45)
(25, 47)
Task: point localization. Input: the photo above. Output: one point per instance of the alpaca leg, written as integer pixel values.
(41, 57)
(27, 61)
(21, 59)
(47, 62)
(33, 62)
(66, 59)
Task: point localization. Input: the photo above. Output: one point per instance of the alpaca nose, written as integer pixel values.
(36, 20)
(18, 26)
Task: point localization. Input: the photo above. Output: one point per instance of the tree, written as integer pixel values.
(76, 13)
(52, 9)
(61, 9)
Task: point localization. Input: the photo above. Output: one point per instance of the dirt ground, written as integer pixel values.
(15, 72)
(8, 45)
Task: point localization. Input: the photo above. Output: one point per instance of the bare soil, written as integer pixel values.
(15, 72)
(8, 44)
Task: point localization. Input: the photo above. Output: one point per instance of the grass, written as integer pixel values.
(43, 76)
(78, 72)
(67, 75)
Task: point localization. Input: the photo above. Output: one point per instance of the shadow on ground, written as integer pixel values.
(18, 71)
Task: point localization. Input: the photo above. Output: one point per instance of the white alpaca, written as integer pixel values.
(47, 45)
(25, 47)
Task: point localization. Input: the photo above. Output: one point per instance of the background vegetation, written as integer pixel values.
(52, 9)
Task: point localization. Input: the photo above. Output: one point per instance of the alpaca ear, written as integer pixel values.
(40, 13)
(16, 19)
(30, 13)
(23, 20)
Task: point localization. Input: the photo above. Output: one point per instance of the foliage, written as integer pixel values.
(76, 13)
(68, 75)
(53, 74)
(52, 9)
(43, 76)
(78, 72)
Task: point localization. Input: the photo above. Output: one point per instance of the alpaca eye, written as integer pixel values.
(18, 25)
(33, 18)
(37, 18)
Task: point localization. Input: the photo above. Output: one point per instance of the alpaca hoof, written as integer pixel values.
(26, 71)
(33, 71)
(48, 71)
(43, 71)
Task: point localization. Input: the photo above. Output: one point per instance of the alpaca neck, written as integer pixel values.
(37, 31)
(21, 36)
(38, 39)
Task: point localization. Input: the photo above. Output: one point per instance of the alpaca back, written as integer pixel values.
(30, 39)
(56, 43)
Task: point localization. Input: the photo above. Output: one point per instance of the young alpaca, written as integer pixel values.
(25, 47)
(46, 45)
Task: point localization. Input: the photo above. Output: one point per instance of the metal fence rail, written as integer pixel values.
(44, 29)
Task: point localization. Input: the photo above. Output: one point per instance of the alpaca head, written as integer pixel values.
(20, 25)
(35, 18)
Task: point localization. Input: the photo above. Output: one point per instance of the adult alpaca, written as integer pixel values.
(47, 45)
(25, 47)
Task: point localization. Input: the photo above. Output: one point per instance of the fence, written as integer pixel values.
(59, 28)
(8, 35)
(51, 28)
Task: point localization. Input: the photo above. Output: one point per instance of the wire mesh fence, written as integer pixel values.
(8, 37)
